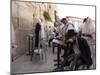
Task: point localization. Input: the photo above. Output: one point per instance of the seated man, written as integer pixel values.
(77, 50)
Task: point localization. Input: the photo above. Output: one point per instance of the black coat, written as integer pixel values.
(37, 30)
(85, 51)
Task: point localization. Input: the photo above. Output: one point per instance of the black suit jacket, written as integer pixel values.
(85, 51)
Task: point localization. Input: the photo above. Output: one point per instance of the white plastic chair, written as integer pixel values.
(42, 51)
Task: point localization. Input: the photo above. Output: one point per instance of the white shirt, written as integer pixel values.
(13, 37)
(87, 29)
(43, 34)
(64, 28)
(51, 34)
(76, 49)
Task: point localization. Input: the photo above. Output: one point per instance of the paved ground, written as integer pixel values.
(24, 65)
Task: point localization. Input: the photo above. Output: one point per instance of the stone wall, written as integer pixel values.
(23, 20)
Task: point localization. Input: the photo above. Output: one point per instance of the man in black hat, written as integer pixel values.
(77, 51)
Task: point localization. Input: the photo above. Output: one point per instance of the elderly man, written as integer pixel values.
(77, 52)
(64, 27)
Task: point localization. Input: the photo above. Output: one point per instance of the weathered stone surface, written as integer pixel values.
(24, 22)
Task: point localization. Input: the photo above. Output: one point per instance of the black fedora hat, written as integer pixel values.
(71, 33)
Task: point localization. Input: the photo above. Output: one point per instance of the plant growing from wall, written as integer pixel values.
(49, 6)
(46, 16)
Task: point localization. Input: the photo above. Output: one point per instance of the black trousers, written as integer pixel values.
(36, 40)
